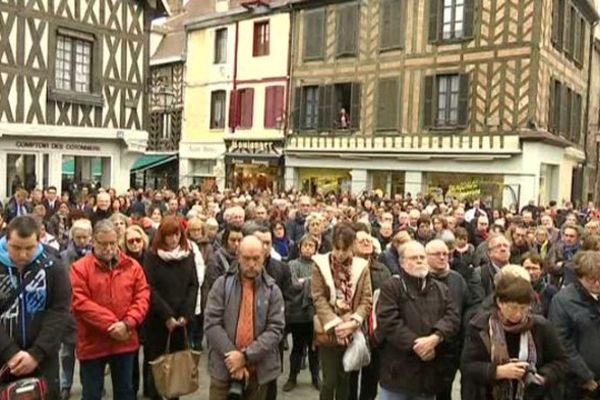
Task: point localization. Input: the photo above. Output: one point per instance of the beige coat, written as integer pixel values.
(323, 292)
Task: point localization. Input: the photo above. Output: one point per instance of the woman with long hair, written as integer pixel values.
(509, 353)
(170, 267)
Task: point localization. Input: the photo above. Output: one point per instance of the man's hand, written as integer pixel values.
(511, 370)
(425, 347)
(119, 331)
(172, 324)
(22, 364)
(590, 385)
(181, 321)
(241, 375)
(235, 360)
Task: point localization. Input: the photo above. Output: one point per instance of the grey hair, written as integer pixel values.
(118, 216)
(104, 226)
(84, 225)
(402, 250)
(447, 237)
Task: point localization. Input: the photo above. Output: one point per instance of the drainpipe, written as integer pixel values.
(587, 103)
(235, 64)
(289, 72)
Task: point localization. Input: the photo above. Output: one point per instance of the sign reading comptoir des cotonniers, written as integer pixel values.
(57, 146)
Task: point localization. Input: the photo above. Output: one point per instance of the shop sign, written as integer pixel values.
(274, 149)
(23, 144)
(265, 163)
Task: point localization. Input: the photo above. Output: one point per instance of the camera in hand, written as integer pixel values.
(236, 390)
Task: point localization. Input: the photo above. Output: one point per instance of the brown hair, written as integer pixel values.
(591, 242)
(343, 236)
(587, 264)
(169, 225)
(461, 233)
(534, 258)
(513, 289)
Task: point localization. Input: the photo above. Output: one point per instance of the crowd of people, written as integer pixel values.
(508, 297)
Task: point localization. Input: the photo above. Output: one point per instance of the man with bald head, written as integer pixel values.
(416, 319)
(244, 321)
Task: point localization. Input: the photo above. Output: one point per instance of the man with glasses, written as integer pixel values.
(575, 313)
(34, 305)
(110, 300)
(51, 202)
(416, 318)
(499, 256)
(438, 256)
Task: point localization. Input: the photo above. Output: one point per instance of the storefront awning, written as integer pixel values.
(150, 161)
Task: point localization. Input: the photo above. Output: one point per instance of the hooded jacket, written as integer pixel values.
(35, 322)
(103, 296)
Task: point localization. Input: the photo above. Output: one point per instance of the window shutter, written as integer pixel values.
(212, 123)
(387, 104)
(234, 113)
(463, 100)
(319, 29)
(561, 24)
(341, 27)
(355, 105)
(249, 107)
(428, 106)
(557, 109)
(297, 113)
(434, 25)
(392, 24)
(268, 123)
(556, 25)
(578, 117)
(279, 104)
(582, 39)
(326, 107)
(314, 34)
(469, 18)
(564, 111)
(353, 29)
(574, 117)
(551, 115)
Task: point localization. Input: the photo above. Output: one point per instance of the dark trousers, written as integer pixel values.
(197, 332)
(369, 379)
(302, 336)
(253, 391)
(272, 386)
(121, 370)
(336, 382)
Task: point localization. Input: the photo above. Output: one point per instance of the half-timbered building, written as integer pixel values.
(72, 91)
(466, 98)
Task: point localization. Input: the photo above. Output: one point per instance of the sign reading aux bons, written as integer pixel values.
(57, 146)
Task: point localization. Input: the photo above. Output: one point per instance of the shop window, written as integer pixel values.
(314, 34)
(261, 39)
(221, 46)
(73, 64)
(80, 171)
(446, 101)
(20, 172)
(450, 19)
(217, 109)
(347, 30)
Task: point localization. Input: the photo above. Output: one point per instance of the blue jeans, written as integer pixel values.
(121, 371)
(67, 365)
(403, 395)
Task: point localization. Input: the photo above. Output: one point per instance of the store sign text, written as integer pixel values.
(57, 146)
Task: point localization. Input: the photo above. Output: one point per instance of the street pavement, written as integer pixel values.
(304, 390)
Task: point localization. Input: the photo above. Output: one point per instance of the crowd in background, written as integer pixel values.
(508, 296)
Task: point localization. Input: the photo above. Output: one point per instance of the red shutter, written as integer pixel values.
(279, 104)
(269, 107)
(247, 103)
(234, 109)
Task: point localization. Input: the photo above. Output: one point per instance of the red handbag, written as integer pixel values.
(22, 389)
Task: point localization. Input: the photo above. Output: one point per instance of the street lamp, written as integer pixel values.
(167, 95)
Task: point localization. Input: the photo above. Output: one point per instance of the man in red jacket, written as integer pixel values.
(110, 300)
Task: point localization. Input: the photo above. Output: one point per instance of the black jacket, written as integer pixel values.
(390, 259)
(36, 321)
(406, 312)
(478, 372)
(576, 316)
(295, 228)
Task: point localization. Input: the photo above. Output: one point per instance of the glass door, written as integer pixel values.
(20, 172)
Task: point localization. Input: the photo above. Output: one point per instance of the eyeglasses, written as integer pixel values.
(417, 257)
(105, 245)
(134, 240)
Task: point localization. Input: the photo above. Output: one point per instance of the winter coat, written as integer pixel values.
(68, 257)
(221, 319)
(576, 316)
(324, 292)
(299, 308)
(391, 259)
(224, 261)
(410, 308)
(295, 228)
(479, 373)
(103, 296)
(36, 320)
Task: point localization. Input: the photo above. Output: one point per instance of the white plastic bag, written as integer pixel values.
(357, 354)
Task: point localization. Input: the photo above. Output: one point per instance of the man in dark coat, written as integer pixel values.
(296, 227)
(575, 312)
(51, 202)
(17, 206)
(499, 255)
(416, 317)
(32, 320)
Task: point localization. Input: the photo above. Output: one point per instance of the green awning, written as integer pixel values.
(68, 167)
(150, 161)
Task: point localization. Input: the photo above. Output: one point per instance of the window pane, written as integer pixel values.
(447, 14)
(455, 83)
